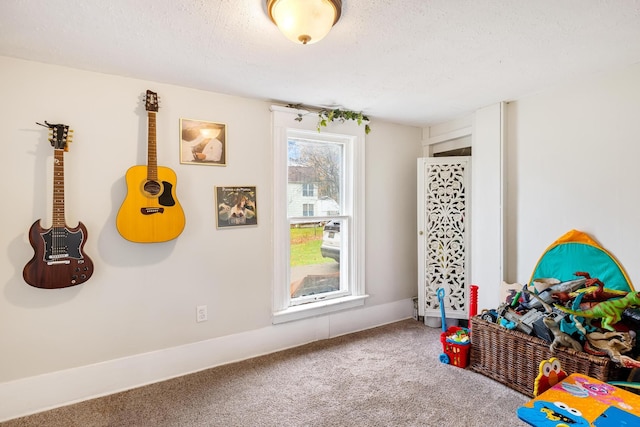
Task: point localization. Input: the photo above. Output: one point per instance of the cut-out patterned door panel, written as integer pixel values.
(443, 235)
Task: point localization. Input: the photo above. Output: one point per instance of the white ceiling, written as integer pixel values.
(416, 62)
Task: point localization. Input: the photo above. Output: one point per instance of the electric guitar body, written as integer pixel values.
(150, 212)
(55, 265)
(59, 260)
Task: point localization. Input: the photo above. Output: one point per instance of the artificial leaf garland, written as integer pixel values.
(325, 116)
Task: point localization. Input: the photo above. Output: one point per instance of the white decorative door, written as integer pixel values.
(443, 235)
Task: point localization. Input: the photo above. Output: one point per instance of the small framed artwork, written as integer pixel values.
(235, 206)
(203, 143)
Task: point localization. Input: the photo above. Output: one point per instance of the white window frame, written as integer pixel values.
(305, 209)
(283, 124)
(305, 190)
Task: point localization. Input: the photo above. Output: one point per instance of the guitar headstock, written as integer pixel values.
(151, 101)
(59, 135)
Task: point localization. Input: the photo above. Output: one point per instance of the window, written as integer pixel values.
(307, 209)
(308, 190)
(319, 246)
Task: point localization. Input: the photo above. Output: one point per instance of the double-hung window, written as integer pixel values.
(318, 216)
(308, 189)
(307, 209)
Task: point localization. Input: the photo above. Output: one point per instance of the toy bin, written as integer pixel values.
(456, 353)
(512, 357)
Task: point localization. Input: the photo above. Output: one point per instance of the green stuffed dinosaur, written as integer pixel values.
(609, 311)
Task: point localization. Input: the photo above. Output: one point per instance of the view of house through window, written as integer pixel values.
(317, 228)
(319, 222)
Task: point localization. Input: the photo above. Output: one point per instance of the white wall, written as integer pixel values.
(391, 213)
(451, 135)
(573, 164)
(487, 211)
(141, 299)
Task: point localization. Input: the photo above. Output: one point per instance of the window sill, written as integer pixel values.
(317, 308)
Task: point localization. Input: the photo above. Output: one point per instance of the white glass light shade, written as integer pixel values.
(304, 21)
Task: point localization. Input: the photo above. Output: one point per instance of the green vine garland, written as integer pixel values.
(325, 116)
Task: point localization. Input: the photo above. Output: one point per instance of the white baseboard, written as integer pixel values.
(39, 393)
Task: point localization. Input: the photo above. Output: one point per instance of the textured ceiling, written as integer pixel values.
(417, 62)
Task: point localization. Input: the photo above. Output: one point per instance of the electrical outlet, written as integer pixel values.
(201, 313)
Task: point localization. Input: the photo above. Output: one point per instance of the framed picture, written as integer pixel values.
(235, 206)
(203, 143)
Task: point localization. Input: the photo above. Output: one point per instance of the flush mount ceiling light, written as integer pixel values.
(304, 21)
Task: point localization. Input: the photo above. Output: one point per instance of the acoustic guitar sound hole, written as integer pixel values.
(152, 187)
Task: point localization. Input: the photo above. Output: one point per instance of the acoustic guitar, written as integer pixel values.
(150, 212)
(59, 260)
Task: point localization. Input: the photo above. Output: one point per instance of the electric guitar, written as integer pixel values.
(150, 212)
(59, 260)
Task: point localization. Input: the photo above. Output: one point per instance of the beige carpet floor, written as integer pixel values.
(387, 376)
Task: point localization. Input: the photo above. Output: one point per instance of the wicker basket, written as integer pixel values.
(513, 358)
